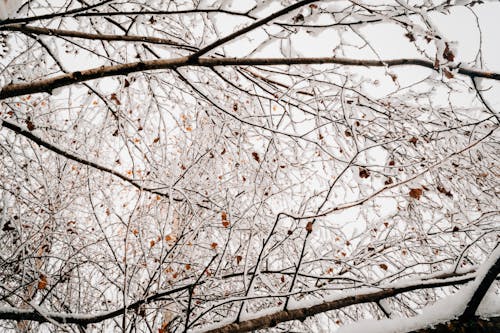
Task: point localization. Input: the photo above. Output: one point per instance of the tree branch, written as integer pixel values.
(273, 319)
(484, 285)
(27, 134)
(84, 35)
(9, 313)
(48, 85)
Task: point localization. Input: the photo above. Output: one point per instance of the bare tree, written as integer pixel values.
(229, 166)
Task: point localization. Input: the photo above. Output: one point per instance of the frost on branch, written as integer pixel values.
(187, 166)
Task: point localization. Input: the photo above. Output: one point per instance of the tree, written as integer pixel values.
(227, 166)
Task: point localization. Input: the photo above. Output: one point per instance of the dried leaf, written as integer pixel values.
(152, 243)
(309, 227)
(225, 223)
(255, 156)
(448, 74)
(447, 53)
(410, 36)
(115, 99)
(238, 259)
(416, 193)
(213, 245)
(29, 124)
(444, 191)
(383, 266)
(413, 140)
(298, 18)
(42, 282)
(223, 215)
(364, 173)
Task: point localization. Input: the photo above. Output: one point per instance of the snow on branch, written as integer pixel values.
(48, 85)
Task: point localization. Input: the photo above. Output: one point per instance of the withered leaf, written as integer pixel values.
(364, 173)
(309, 227)
(447, 53)
(115, 99)
(441, 189)
(42, 282)
(448, 74)
(29, 124)
(416, 193)
(410, 36)
(256, 156)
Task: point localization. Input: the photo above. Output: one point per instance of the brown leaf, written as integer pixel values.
(238, 259)
(364, 173)
(156, 140)
(441, 189)
(309, 227)
(225, 223)
(413, 140)
(383, 266)
(29, 124)
(388, 181)
(448, 74)
(223, 216)
(298, 18)
(410, 36)
(416, 193)
(235, 107)
(447, 53)
(115, 99)
(213, 245)
(255, 156)
(455, 229)
(42, 282)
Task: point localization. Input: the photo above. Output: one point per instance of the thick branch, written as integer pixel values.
(273, 319)
(484, 285)
(48, 85)
(8, 313)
